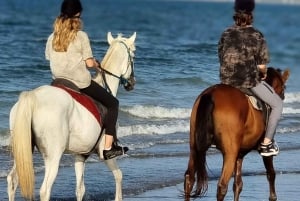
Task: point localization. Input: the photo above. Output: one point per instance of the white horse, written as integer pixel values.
(49, 119)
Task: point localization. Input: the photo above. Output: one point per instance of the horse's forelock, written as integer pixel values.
(114, 56)
(130, 45)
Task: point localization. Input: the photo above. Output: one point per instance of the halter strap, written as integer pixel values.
(123, 81)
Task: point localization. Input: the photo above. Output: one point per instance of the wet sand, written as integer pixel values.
(255, 189)
(140, 179)
(255, 184)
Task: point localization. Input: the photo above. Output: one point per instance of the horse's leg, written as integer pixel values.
(227, 170)
(194, 162)
(271, 175)
(79, 170)
(51, 170)
(189, 176)
(12, 183)
(229, 147)
(238, 182)
(113, 166)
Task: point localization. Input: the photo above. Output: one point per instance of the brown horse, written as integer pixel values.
(223, 115)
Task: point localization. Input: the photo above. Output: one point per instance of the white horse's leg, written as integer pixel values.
(12, 183)
(113, 166)
(51, 170)
(79, 170)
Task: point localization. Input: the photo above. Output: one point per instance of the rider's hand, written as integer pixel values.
(263, 71)
(97, 63)
(264, 76)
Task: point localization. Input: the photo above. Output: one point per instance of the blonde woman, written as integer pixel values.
(69, 51)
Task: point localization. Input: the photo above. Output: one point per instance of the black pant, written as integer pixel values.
(109, 101)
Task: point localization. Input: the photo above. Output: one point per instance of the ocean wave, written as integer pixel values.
(4, 140)
(288, 130)
(292, 97)
(160, 112)
(154, 129)
(3, 173)
(290, 110)
(157, 112)
(176, 127)
(158, 120)
(164, 128)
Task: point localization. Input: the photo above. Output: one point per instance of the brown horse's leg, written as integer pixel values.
(238, 182)
(189, 177)
(228, 168)
(271, 175)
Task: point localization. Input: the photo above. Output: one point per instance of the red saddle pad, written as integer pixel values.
(84, 100)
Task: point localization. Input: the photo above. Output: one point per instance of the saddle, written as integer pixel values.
(257, 103)
(95, 107)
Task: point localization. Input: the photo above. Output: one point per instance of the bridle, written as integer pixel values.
(126, 82)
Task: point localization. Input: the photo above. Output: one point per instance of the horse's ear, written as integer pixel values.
(286, 75)
(132, 38)
(110, 38)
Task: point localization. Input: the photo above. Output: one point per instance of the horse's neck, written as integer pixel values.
(114, 61)
(110, 81)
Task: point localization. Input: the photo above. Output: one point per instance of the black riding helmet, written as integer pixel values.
(69, 8)
(244, 5)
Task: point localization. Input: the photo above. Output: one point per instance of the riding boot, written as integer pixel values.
(115, 151)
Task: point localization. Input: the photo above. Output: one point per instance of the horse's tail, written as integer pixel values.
(204, 129)
(21, 143)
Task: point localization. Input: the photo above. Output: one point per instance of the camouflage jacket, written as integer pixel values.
(240, 50)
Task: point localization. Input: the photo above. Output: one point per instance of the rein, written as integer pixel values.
(123, 81)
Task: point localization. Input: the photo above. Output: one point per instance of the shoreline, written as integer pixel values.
(161, 178)
(255, 188)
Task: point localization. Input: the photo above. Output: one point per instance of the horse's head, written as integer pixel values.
(127, 76)
(277, 79)
(117, 65)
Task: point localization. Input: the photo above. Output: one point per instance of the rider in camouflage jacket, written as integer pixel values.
(241, 49)
(243, 53)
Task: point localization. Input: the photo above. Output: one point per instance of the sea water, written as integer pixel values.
(176, 58)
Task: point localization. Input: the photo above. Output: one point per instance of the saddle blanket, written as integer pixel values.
(84, 100)
(254, 102)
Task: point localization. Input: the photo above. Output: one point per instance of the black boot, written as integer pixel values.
(270, 149)
(115, 151)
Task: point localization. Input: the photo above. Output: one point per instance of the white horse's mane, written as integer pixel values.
(109, 60)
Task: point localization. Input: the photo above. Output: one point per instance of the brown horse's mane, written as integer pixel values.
(276, 80)
(273, 73)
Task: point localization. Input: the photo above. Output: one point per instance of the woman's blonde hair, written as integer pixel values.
(65, 31)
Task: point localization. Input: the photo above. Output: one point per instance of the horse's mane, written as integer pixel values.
(277, 80)
(115, 55)
(273, 73)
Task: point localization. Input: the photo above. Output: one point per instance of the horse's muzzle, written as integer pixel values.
(129, 85)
